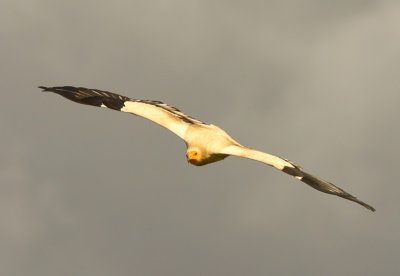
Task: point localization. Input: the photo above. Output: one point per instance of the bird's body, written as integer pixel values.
(209, 152)
(205, 143)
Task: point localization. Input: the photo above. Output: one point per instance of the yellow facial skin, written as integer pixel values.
(192, 156)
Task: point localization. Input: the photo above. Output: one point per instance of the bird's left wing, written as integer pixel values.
(167, 116)
(291, 168)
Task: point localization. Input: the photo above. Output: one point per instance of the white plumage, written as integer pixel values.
(206, 143)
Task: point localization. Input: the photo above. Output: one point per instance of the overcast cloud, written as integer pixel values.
(85, 191)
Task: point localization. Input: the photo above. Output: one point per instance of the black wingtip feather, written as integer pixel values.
(114, 101)
(329, 188)
(87, 96)
(323, 186)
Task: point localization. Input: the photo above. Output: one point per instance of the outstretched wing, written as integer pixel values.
(156, 111)
(294, 170)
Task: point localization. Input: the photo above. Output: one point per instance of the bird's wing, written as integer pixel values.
(291, 168)
(167, 116)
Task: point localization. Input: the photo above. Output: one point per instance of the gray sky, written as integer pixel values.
(86, 191)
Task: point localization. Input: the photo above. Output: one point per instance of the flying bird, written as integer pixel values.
(205, 143)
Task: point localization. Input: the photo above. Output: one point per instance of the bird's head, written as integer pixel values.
(194, 156)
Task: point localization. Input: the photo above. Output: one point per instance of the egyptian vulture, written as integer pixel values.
(206, 143)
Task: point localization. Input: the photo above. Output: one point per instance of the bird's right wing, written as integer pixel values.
(167, 116)
(293, 169)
